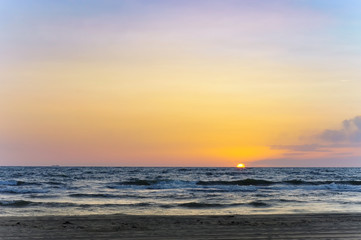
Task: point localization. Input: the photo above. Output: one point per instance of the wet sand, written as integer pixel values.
(295, 226)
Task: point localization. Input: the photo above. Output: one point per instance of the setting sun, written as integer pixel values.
(241, 165)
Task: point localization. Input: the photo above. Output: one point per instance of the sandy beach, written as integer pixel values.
(294, 226)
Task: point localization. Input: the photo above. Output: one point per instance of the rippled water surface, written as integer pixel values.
(97, 190)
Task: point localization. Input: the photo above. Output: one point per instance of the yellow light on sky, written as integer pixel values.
(178, 84)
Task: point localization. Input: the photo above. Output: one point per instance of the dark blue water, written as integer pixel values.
(97, 190)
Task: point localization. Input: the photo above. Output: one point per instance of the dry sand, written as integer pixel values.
(296, 226)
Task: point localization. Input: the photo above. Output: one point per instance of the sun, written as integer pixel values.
(241, 165)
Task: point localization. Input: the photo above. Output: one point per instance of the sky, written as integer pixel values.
(180, 83)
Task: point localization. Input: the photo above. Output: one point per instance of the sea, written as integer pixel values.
(36, 191)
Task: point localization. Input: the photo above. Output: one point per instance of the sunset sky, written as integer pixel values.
(180, 83)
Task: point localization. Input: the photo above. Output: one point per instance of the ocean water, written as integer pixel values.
(35, 191)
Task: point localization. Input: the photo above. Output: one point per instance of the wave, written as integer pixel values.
(258, 204)
(42, 196)
(133, 182)
(200, 205)
(139, 182)
(357, 183)
(153, 184)
(300, 182)
(58, 175)
(16, 203)
(17, 183)
(55, 183)
(260, 182)
(21, 191)
(245, 182)
(10, 183)
(189, 205)
(93, 195)
(23, 203)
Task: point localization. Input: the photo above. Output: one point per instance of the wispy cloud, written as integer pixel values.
(331, 147)
(328, 141)
(349, 133)
(301, 148)
(336, 161)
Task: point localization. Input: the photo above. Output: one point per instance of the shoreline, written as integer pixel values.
(121, 226)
